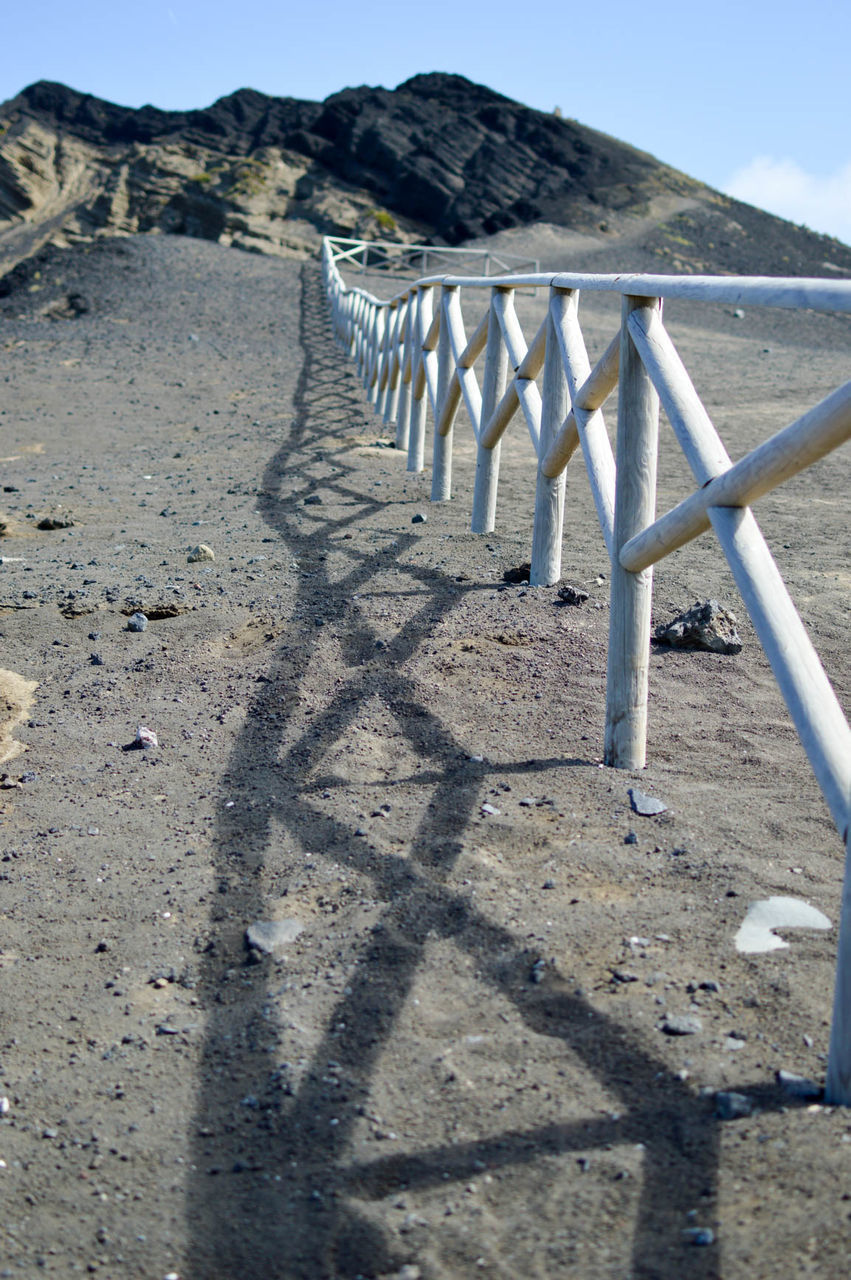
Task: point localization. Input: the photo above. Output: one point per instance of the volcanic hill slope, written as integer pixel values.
(437, 159)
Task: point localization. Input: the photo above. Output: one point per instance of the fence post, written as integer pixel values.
(837, 1090)
(631, 593)
(406, 353)
(441, 471)
(487, 460)
(385, 358)
(549, 493)
(395, 357)
(419, 391)
(373, 364)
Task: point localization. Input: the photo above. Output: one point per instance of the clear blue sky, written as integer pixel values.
(747, 95)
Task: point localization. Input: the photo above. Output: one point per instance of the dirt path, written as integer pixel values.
(457, 1067)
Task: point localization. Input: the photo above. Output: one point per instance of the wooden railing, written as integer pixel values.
(390, 258)
(413, 353)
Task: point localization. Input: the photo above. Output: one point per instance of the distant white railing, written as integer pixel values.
(413, 351)
(391, 258)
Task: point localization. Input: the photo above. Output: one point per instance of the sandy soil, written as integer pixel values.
(457, 1068)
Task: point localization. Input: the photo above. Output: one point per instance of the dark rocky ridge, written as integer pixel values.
(452, 155)
(438, 158)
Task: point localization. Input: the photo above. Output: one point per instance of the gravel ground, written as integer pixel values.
(457, 1065)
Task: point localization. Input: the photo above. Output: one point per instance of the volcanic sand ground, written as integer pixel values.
(336, 696)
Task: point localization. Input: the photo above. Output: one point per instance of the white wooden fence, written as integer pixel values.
(414, 354)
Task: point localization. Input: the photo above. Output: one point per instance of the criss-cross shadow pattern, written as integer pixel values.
(276, 1188)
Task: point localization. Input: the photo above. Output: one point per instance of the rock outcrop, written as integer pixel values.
(438, 159)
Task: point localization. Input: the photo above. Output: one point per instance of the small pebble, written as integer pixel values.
(699, 1235)
(201, 552)
(137, 622)
(681, 1024)
(798, 1086)
(572, 595)
(644, 804)
(419, 518)
(313, 500)
(145, 738)
(268, 935)
(732, 1106)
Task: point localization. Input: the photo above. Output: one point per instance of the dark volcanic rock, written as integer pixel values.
(438, 159)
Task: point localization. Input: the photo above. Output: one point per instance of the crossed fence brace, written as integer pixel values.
(412, 354)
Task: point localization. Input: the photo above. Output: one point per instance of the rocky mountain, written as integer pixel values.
(437, 159)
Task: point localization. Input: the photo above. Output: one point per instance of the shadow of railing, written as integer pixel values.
(275, 1190)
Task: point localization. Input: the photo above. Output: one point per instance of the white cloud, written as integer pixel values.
(822, 203)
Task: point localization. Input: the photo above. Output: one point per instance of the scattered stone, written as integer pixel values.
(630, 838)
(96, 660)
(269, 935)
(681, 1024)
(739, 313)
(699, 1235)
(5, 1106)
(756, 933)
(644, 804)
(199, 553)
(49, 523)
(489, 808)
(706, 625)
(538, 970)
(137, 622)
(313, 500)
(419, 518)
(520, 573)
(145, 739)
(732, 1106)
(799, 1086)
(572, 595)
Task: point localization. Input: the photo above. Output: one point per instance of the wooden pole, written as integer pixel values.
(387, 356)
(837, 1090)
(416, 436)
(487, 460)
(813, 705)
(373, 373)
(403, 412)
(635, 498)
(441, 472)
(549, 493)
(823, 428)
(599, 463)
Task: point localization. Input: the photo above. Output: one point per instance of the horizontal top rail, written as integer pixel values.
(788, 292)
(813, 294)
